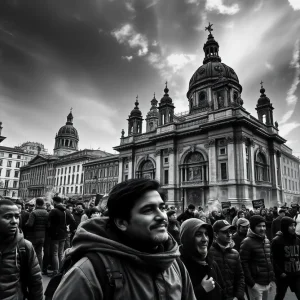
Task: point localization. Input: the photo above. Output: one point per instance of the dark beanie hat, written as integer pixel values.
(191, 206)
(255, 220)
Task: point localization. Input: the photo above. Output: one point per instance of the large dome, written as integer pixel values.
(210, 72)
(212, 69)
(68, 131)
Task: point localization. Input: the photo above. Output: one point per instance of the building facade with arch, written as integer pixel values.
(216, 151)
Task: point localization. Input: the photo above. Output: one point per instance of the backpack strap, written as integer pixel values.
(111, 281)
(21, 248)
(183, 278)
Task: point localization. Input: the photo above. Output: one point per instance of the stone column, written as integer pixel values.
(120, 177)
(171, 166)
(158, 165)
(129, 167)
(212, 161)
(232, 158)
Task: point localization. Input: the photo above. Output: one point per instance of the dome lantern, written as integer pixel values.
(135, 119)
(264, 108)
(211, 47)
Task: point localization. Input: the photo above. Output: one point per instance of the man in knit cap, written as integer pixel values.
(228, 260)
(286, 259)
(189, 213)
(276, 224)
(240, 235)
(255, 254)
(196, 238)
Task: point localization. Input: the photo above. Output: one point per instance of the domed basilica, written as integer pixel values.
(66, 140)
(217, 151)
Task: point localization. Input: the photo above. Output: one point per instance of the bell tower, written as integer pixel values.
(264, 108)
(166, 108)
(135, 120)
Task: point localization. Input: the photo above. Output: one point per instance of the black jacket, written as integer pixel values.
(38, 221)
(255, 255)
(229, 263)
(197, 272)
(285, 251)
(185, 216)
(238, 238)
(59, 218)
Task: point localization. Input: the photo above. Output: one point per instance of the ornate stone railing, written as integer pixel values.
(167, 128)
(194, 183)
(192, 123)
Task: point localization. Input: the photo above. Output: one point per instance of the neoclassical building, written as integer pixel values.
(217, 151)
(62, 172)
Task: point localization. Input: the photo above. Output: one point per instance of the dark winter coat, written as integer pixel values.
(59, 218)
(77, 217)
(185, 216)
(255, 255)
(10, 264)
(285, 251)
(229, 263)
(238, 238)
(38, 221)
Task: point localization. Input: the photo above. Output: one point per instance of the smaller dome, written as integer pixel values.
(136, 111)
(166, 99)
(263, 99)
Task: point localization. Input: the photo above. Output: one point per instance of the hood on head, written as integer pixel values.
(187, 233)
(285, 223)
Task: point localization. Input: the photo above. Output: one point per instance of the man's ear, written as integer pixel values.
(121, 224)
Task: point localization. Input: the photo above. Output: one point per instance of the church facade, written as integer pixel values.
(217, 151)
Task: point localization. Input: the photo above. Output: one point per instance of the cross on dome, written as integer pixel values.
(209, 27)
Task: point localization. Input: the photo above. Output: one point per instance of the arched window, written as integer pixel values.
(194, 168)
(261, 168)
(264, 119)
(146, 170)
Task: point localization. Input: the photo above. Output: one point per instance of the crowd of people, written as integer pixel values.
(140, 249)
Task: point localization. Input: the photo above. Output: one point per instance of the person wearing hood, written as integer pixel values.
(12, 284)
(286, 259)
(276, 224)
(196, 239)
(135, 237)
(59, 218)
(255, 255)
(228, 260)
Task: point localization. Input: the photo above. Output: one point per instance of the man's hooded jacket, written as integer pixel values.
(285, 251)
(196, 266)
(10, 265)
(146, 275)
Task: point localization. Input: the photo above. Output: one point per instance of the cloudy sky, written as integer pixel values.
(96, 56)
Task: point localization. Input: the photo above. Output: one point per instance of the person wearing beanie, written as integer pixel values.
(286, 259)
(189, 213)
(276, 224)
(228, 260)
(240, 214)
(241, 233)
(173, 225)
(255, 255)
(196, 239)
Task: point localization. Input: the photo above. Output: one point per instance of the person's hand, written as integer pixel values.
(208, 284)
(235, 298)
(255, 287)
(283, 275)
(272, 285)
